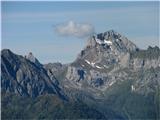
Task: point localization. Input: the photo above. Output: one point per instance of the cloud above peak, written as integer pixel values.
(74, 29)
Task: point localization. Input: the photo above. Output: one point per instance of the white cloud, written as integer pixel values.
(72, 28)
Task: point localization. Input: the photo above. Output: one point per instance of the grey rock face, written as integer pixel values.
(125, 60)
(54, 67)
(109, 58)
(24, 77)
(76, 74)
(53, 70)
(147, 81)
(104, 54)
(145, 63)
(108, 49)
(146, 59)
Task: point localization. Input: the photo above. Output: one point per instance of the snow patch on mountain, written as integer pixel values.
(90, 63)
(105, 66)
(105, 41)
(83, 65)
(110, 84)
(98, 67)
(99, 41)
(87, 61)
(108, 42)
(132, 88)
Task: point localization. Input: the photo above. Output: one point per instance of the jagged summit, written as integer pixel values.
(107, 49)
(112, 39)
(6, 52)
(109, 34)
(33, 59)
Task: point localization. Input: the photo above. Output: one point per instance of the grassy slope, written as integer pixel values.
(45, 107)
(130, 104)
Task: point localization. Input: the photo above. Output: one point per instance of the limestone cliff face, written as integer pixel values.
(107, 48)
(108, 58)
(139, 63)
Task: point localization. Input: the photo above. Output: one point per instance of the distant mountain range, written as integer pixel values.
(110, 79)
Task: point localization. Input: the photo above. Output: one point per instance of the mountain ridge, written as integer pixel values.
(24, 77)
(108, 70)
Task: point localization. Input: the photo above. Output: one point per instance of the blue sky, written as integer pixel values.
(29, 26)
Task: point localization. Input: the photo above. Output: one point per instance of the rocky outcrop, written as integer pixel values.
(146, 59)
(33, 59)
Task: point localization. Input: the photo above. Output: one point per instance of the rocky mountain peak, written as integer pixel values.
(33, 59)
(112, 40)
(109, 34)
(6, 52)
(107, 49)
(24, 77)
